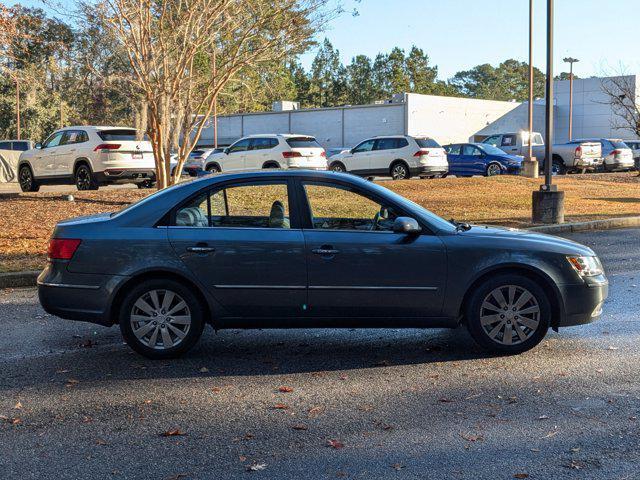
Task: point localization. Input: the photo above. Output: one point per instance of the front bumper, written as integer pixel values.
(583, 302)
(77, 296)
(125, 175)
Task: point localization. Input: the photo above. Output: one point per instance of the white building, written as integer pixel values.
(447, 119)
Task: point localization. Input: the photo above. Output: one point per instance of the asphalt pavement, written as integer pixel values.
(76, 403)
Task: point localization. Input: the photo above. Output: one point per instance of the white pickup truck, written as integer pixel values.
(567, 157)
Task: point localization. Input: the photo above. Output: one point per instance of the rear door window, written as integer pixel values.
(262, 143)
(386, 144)
(427, 143)
(303, 142)
(453, 149)
(5, 146)
(471, 150)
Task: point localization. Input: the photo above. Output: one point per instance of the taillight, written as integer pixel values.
(579, 151)
(421, 153)
(616, 152)
(62, 248)
(323, 154)
(107, 146)
(291, 154)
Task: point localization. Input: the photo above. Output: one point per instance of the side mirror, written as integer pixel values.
(38, 145)
(406, 225)
(226, 151)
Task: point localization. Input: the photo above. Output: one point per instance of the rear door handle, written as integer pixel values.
(325, 251)
(201, 249)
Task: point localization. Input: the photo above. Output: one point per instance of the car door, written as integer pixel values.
(360, 160)
(357, 265)
(235, 158)
(66, 152)
(258, 153)
(509, 144)
(242, 242)
(45, 160)
(474, 160)
(454, 157)
(385, 150)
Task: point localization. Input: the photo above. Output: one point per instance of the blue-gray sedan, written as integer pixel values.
(310, 249)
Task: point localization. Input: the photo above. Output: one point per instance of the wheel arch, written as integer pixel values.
(213, 163)
(529, 271)
(271, 162)
(399, 160)
(82, 161)
(155, 274)
(338, 162)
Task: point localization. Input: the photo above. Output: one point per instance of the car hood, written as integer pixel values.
(510, 158)
(529, 239)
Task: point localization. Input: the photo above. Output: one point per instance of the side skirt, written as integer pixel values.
(333, 322)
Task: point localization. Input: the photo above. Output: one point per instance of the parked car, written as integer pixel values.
(398, 156)
(88, 156)
(269, 151)
(10, 151)
(197, 160)
(310, 249)
(467, 159)
(578, 156)
(617, 155)
(634, 145)
(336, 150)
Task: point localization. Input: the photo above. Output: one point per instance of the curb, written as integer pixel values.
(19, 279)
(606, 224)
(28, 278)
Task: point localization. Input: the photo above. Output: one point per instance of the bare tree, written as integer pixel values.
(171, 45)
(622, 95)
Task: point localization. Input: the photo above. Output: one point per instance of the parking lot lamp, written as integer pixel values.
(570, 61)
(548, 202)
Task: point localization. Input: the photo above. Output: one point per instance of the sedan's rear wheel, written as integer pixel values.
(508, 314)
(161, 319)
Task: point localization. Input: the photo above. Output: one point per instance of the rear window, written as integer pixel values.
(303, 142)
(195, 153)
(619, 144)
(122, 134)
(427, 143)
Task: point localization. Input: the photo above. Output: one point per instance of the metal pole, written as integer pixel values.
(570, 101)
(18, 132)
(215, 106)
(530, 156)
(549, 101)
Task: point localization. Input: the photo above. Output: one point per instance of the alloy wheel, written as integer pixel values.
(337, 167)
(83, 178)
(160, 319)
(510, 314)
(399, 172)
(493, 169)
(26, 179)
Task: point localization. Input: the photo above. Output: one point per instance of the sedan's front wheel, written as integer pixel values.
(508, 314)
(161, 319)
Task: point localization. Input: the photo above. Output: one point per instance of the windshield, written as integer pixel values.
(491, 150)
(432, 218)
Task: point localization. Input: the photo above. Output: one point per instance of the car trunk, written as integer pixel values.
(124, 148)
(306, 153)
(590, 150)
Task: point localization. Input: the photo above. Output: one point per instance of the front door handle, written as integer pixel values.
(325, 250)
(201, 249)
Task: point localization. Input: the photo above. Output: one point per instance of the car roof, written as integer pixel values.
(283, 135)
(95, 127)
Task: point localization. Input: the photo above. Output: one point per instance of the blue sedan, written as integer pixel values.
(467, 159)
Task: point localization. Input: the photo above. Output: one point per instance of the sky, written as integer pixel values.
(459, 34)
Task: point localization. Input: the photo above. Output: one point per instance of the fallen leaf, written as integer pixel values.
(397, 466)
(285, 389)
(99, 441)
(177, 476)
(337, 444)
(86, 419)
(552, 433)
(256, 467)
(300, 426)
(71, 382)
(16, 421)
(216, 389)
(446, 400)
(470, 437)
(18, 406)
(281, 406)
(176, 432)
(575, 465)
(204, 370)
(543, 417)
(315, 411)
(521, 475)
(242, 458)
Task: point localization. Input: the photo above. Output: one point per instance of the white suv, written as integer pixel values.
(267, 151)
(88, 157)
(399, 157)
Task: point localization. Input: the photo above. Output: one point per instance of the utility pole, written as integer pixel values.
(571, 61)
(530, 165)
(18, 131)
(215, 106)
(548, 202)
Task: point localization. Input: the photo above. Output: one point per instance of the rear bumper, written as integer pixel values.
(429, 170)
(303, 167)
(77, 296)
(587, 163)
(583, 303)
(619, 165)
(126, 175)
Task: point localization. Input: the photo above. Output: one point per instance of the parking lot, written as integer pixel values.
(77, 403)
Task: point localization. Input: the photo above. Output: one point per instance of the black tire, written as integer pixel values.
(399, 171)
(213, 169)
(27, 182)
(338, 167)
(493, 169)
(271, 165)
(84, 178)
(558, 167)
(194, 309)
(146, 184)
(497, 320)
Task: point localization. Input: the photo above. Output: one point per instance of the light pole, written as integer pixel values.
(570, 61)
(530, 165)
(548, 202)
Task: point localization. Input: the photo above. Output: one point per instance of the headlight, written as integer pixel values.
(586, 266)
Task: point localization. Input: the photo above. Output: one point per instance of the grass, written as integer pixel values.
(28, 220)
